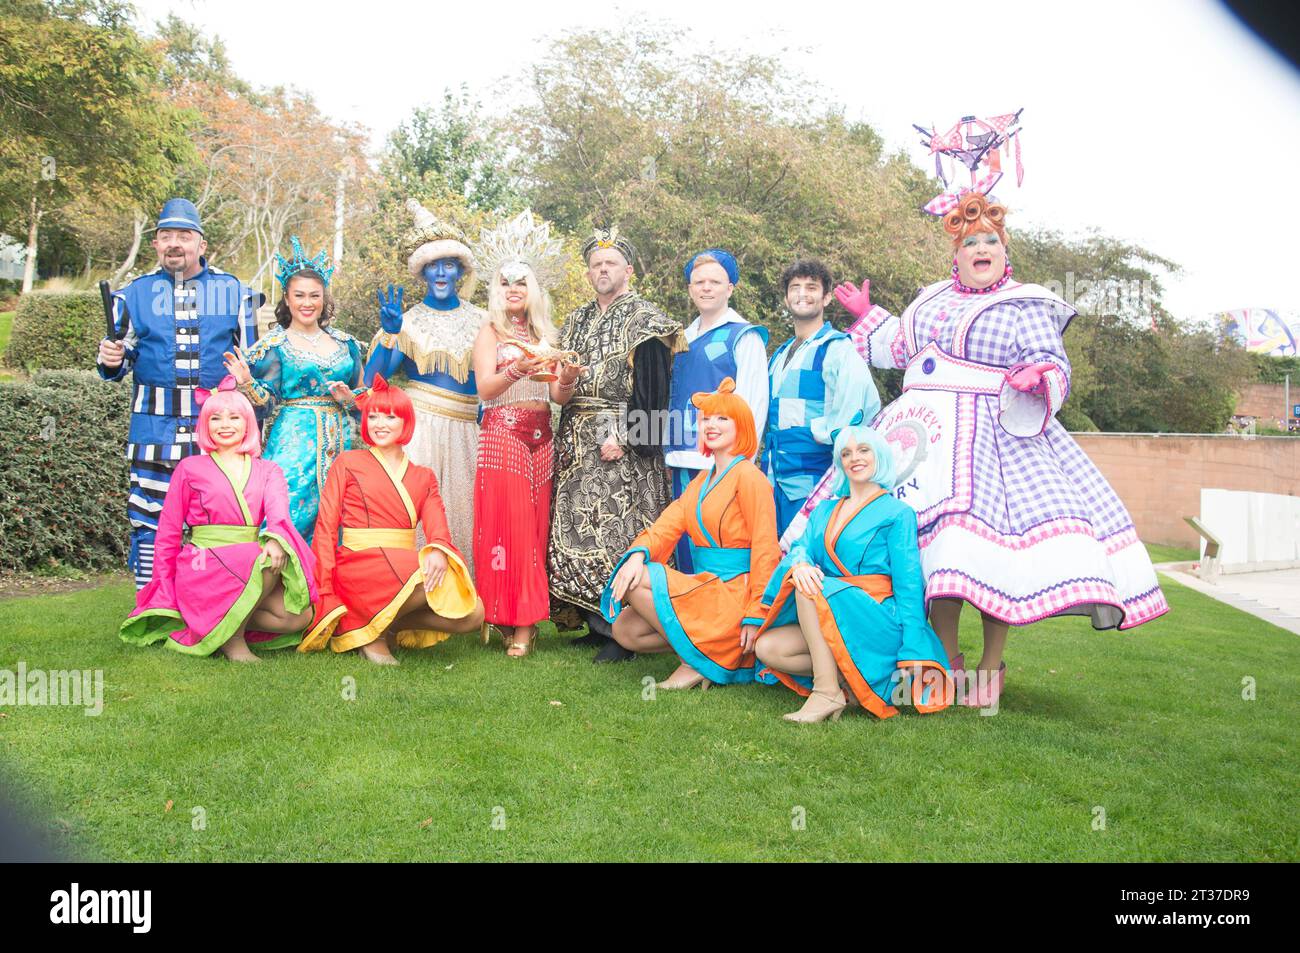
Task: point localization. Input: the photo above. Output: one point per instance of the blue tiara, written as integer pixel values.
(287, 268)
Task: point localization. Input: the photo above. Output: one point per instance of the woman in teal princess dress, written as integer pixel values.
(305, 372)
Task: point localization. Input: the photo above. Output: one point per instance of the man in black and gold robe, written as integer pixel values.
(610, 478)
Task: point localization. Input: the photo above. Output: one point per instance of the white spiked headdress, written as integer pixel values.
(527, 240)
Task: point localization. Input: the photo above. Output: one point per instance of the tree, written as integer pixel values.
(267, 167)
(191, 57)
(83, 113)
(685, 153)
(453, 147)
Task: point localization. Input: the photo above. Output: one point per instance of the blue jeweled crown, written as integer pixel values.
(285, 268)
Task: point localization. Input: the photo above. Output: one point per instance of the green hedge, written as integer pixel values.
(63, 476)
(56, 330)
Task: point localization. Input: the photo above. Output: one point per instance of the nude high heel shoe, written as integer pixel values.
(819, 707)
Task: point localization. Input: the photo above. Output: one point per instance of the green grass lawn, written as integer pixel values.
(462, 753)
(1171, 554)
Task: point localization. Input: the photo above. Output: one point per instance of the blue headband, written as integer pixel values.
(725, 259)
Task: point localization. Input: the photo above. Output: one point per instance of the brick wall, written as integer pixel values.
(1159, 477)
(1266, 401)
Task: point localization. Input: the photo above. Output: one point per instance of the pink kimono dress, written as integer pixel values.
(208, 562)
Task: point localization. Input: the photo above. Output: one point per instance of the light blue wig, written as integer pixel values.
(860, 434)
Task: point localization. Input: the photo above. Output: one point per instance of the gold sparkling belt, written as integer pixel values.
(442, 403)
(325, 402)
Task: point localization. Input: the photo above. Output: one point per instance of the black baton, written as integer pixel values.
(106, 295)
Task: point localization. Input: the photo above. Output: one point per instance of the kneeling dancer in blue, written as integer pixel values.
(857, 615)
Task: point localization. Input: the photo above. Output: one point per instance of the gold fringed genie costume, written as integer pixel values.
(436, 349)
(601, 506)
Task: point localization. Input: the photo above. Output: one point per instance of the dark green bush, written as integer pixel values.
(56, 330)
(63, 476)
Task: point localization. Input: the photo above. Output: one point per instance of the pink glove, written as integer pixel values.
(1028, 378)
(856, 302)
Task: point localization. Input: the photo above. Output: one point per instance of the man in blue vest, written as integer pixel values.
(722, 345)
(172, 328)
(819, 381)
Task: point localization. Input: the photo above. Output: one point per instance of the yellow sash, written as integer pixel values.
(358, 538)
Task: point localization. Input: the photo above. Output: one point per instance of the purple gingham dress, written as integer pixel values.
(1044, 533)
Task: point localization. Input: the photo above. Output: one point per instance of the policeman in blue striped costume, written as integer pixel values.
(819, 381)
(173, 326)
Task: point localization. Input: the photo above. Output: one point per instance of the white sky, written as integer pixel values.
(1162, 122)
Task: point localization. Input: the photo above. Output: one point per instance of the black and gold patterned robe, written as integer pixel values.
(600, 507)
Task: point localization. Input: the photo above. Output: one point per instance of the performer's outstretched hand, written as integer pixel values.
(435, 568)
(390, 309)
(1028, 378)
(342, 393)
(629, 575)
(236, 366)
(856, 301)
(807, 579)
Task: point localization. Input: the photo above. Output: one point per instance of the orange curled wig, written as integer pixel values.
(725, 402)
(382, 398)
(975, 214)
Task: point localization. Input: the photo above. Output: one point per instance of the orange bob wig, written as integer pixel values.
(725, 402)
(381, 398)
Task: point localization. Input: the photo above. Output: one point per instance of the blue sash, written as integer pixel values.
(724, 562)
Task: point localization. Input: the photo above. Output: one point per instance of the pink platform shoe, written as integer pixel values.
(987, 693)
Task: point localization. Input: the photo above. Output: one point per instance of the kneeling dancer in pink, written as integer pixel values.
(230, 571)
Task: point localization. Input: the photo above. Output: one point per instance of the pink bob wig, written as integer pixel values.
(228, 398)
(381, 398)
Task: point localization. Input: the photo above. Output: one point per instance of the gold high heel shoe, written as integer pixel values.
(525, 648)
(822, 707)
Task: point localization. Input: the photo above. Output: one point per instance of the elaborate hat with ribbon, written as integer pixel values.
(286, 268)
(945, 202)
(975, 142)
(430, 239)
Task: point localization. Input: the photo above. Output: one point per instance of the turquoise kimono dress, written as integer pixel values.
(871, 607)
(307, 428)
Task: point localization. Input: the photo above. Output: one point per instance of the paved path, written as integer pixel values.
(1273, 596)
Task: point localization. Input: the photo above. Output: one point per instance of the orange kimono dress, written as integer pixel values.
(367, 563)
(730, 519)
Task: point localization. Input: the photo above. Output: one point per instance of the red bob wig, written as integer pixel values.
(380, 398)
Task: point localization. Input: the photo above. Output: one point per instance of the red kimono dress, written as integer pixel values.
(366, 557)
(730, 519)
